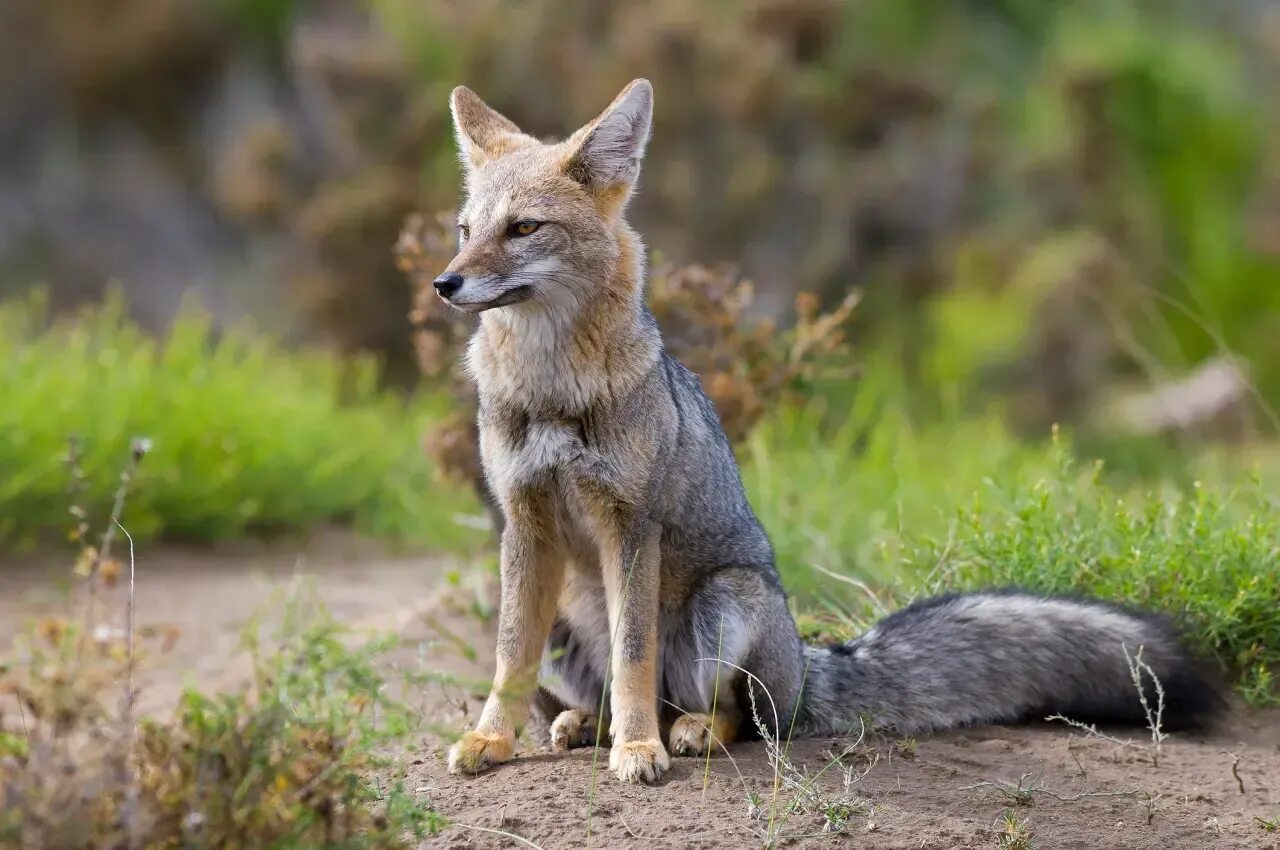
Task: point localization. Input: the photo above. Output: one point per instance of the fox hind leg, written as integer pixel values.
(733, 665)
(572, 685)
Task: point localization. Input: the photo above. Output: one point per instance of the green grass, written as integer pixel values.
(247, 437)
(841, 498)
(1210, 557)
(909, 510)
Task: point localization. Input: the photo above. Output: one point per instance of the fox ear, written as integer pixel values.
(606, 153)
(482, 131)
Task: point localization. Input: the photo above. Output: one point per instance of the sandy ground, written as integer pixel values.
(204, 597)
(1088, 793)
(950, 793)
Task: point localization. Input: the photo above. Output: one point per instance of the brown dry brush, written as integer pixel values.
(286, 762)
(747, 364)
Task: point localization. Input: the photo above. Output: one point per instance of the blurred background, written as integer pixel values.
(986, 293)
(1047, 213)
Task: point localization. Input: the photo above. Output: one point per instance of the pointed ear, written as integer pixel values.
(482, 131)
(606, 153)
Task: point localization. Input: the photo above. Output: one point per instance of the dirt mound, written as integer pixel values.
(952, 790)
(952, 793)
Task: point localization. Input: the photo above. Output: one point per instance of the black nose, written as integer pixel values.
(448, 284)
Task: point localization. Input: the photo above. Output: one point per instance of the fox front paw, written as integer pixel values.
(572, 728)
(639, 761)
(475, 752)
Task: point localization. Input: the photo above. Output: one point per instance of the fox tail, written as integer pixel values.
(1001, 657)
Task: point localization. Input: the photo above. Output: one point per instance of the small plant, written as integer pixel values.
(1023, 793)
(755, 805)
(288, 762)
(1015, 834)
(1268, 824)
(747, 364)
(806, 795)
(908, 747)
(836, 813)
(1154, 716)
(1257, 683)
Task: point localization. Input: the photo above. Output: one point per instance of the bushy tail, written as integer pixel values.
(999, 657)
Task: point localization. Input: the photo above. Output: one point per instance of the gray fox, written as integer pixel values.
(630, 557)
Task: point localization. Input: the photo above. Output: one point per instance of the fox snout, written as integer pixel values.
(448, 284)
(475, 294)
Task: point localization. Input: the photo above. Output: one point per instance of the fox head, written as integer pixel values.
(542, 222)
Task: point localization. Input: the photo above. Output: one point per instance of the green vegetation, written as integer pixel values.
(1046, 205)
(1208, 557)
(1116, 180)
(840, 497)
(295, 758)
(250, 438)
(909, 511)
(247, 437)
(1015, 833)
(291, 762)
(1101, 187)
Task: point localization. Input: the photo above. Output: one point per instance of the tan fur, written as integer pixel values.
(573, 728)
(542, 363)
(478, 751)
(631, 591)
(695, 733)
(570, 365)
(628, 537)
(639, 761)
(531, 571)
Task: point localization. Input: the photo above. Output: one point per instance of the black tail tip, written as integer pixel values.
(1194, 698)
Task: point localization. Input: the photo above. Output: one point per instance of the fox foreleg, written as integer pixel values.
(531, 574)
(631, 578)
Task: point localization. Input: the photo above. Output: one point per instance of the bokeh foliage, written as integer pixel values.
(246, 436)
(1103, 175)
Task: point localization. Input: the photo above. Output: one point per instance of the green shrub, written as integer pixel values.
(247, 437)
(291, 762)
(840, 496)
(897, 509)
(1209, 557)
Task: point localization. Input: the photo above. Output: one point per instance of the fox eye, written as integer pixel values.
(524, 228)
(465, 231)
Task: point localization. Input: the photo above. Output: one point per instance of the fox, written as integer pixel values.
(631, 562)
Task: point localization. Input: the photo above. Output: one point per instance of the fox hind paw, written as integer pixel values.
(690, 734)
(639, 761)
(695, 733)
(572, 728)
(476, 752)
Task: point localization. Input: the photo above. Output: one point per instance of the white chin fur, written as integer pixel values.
(465, 308)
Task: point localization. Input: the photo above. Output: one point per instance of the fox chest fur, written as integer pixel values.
(524, 454)
(564, 441)
(559, 473)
